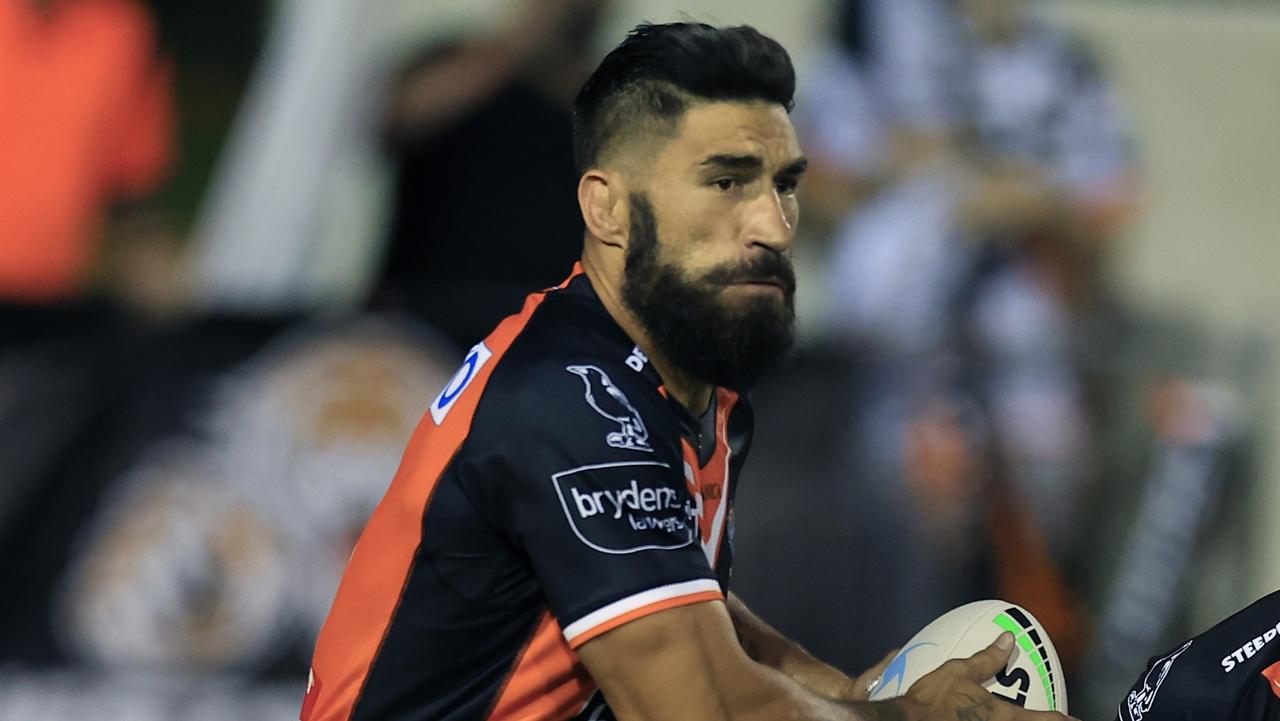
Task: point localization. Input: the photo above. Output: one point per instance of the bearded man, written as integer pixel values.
(557, 542)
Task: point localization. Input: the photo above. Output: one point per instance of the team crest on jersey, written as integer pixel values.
(1140, 699)
(609, 401)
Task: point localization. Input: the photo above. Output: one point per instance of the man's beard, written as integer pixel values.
(706, 336)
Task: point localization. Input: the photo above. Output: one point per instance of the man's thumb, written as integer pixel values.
(985, 664)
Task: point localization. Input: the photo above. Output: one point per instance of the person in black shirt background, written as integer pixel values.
(490, 113)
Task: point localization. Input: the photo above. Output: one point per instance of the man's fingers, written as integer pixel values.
(877, 670)
(862, 686)
(985, 664)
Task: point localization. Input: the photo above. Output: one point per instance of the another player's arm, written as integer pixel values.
(765, 645)
(687, 663)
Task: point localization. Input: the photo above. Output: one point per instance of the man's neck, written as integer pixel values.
(693, 394)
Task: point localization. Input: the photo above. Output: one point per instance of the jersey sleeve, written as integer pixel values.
(1224, 674)
(582, 468)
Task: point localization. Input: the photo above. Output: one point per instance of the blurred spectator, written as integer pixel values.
(842, 120)
(295, 215)
(485, 208)
(997, 137)
(87, 125)
(978, 195)
(304, 214)
(1048, 179)
(86, 116)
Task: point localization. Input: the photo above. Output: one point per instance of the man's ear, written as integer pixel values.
(604, 200)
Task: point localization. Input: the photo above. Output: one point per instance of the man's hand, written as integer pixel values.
(765, 645)
(860, 687)
(686, 663)
(954, 691)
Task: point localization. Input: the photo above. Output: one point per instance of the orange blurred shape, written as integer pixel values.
(86, 118)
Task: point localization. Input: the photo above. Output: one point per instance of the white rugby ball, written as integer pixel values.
(1033, 679)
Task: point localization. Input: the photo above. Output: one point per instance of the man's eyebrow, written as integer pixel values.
(734, 162)
(796, 168)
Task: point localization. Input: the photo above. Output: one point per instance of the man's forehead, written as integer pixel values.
(732, 128)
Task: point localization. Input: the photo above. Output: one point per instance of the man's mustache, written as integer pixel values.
(770, 267)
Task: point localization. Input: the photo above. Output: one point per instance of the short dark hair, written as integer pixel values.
(649, 80)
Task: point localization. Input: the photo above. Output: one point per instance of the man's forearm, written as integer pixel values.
(685, 663)
(767, 646)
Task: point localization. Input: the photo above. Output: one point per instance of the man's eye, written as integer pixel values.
(787, 187)
(725, 184)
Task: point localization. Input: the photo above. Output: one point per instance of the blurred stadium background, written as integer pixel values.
(245, 242)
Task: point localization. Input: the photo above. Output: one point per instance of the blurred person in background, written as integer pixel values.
(469, 121)
(979, 195)
(86, 135)
(295, 215)
(86, 115)
(1046, 180)
(307, 214)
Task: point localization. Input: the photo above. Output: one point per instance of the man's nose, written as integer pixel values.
(767, 222)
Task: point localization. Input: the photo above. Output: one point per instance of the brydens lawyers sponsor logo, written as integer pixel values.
(631, 499)
(623, 508)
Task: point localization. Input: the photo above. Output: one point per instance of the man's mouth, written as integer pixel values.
(764, 282)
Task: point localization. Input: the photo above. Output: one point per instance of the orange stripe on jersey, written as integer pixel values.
(548, 681)
(577, 271)
(645, 611)
(710, 483)
(382, 561)
(1272, 674)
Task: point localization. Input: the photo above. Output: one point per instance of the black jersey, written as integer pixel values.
(1229, 673)
(552, 492)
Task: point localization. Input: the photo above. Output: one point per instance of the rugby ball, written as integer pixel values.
(1033, 679)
